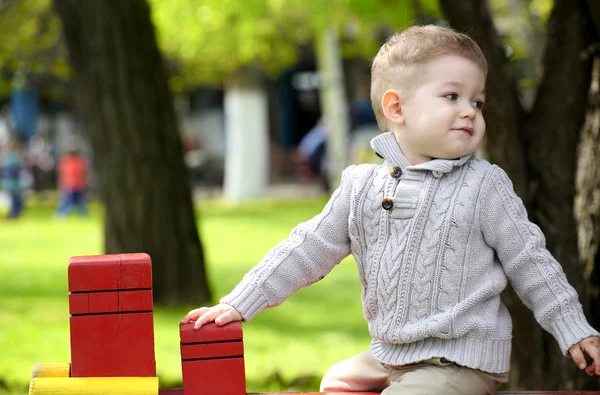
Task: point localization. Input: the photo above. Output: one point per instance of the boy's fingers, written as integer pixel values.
(194, 314)
(223, 319)
(577, 356)
(227, 317)
(221, 314)
(208, 316)
(594, 352)
(591, 369)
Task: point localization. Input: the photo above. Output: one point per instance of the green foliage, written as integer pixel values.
(205, 40)
(291, 345)
(541, 8)
(212, 38)
(30, 32)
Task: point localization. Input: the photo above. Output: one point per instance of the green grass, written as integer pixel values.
(288, 347)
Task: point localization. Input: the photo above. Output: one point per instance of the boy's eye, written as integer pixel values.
(478, 104)
(451, 96)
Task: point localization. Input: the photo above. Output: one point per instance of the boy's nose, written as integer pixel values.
(467, 111)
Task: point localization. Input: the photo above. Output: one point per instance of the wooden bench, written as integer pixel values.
(112, 340)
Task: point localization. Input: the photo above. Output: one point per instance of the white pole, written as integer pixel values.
(334, 104)
(246, 139)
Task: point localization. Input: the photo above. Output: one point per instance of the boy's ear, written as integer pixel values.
(391, 103)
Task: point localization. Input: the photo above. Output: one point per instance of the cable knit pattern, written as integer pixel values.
(432, 264)
(374, 235)
(462, 219)
(388, 280)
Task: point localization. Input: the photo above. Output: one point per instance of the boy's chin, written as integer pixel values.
(453, 155)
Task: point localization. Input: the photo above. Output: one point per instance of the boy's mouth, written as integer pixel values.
(466, 129)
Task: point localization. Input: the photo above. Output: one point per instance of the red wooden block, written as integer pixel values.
(94, 273)
(110, 302)
(135, 300)
(136, 271)
(110, 272)
(79, 303)
(214, 377)
(104, 302)
(113, 345)
(212, 350)
(210, 332)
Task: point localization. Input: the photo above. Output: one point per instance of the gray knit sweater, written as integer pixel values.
(434, 244)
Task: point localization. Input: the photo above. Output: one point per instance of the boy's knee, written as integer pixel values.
(359, 373)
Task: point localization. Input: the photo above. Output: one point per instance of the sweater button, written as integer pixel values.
(387, 204)
(395, 172)
(437, 174)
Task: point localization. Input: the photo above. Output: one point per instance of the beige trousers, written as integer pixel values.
(437, 376)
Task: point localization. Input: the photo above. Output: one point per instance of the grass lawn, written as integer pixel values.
(286, 348)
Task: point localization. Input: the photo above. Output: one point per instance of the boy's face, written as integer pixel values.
(442, 117)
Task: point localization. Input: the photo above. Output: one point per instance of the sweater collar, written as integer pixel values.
(386, 146)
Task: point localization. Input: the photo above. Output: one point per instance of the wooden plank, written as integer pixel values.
(214, 377)
(109, 272)
(51, 370)
(140, 300)
(136, 271)
(94, 273)
(94, 386)
(212, 350)
(79, 303)
(110, 302)
(170, 391)
(104, 302)
(112, 345)
(210, 332)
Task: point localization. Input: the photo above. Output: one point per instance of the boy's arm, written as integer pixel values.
(535, 275)
(306, 256)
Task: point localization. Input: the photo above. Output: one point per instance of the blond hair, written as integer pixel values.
(396, 63)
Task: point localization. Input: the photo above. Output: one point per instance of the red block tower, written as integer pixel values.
(112, 328)
(212, 360)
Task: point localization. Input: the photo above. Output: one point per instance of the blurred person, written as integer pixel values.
(11, 170)
(311, 155)
(41, 162)
(435, 234)
(72, 178)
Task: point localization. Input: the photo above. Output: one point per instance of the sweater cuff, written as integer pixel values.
(247, 301)
(570, 329)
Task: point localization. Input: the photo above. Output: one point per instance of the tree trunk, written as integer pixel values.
(538, 150)
(587, 201)
(553, 129)
(131, 123)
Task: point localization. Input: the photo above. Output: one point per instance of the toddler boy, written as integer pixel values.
(434, 235)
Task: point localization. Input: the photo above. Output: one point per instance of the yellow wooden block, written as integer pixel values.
(51, 370)
(94, 386)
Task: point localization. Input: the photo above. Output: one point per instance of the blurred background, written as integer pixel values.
(203, 131)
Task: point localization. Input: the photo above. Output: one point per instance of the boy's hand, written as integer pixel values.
(590, 346)
(221, 314)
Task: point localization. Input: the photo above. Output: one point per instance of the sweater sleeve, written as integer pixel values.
(534, 274)
(310, 252)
